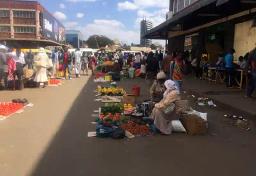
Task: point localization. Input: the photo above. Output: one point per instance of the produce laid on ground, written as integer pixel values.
(113, 122)
(9, 108)
(110, 91)
(136, 129)
(111, 99)
(15, 106)
(54, 82)
(128, 109)
(112, 108)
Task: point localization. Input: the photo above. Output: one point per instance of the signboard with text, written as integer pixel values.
(51, 28)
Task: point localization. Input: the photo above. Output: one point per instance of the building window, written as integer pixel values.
(178, 5)
(23, 29)
(4, 13)
(24, 14)
(5, 29)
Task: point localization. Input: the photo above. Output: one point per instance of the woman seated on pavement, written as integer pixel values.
(158, 88)
(163, 112)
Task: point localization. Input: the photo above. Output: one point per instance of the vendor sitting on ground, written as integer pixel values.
(163, 113)
(157, 89)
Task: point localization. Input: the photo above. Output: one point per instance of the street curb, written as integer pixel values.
(223, 105)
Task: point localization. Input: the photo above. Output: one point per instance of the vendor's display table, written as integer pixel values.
(218, 75)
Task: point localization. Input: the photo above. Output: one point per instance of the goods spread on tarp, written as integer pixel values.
(7, 109)
(120, 117)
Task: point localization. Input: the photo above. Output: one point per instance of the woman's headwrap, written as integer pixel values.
(170, 85)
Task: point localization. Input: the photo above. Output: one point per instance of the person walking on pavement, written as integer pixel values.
(160, 59)
(251, 66)
(29, 59)
(77, 62)
(229, 66)
(166, 64)
(42, 62)
(177, 74)
(67, 63)
(20, 62)
(85, 63)
(55, 61)
(93, 63)
(3, 66)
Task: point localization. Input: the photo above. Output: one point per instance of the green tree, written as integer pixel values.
(98, 41)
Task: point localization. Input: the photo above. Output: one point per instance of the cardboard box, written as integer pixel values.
(129, 99)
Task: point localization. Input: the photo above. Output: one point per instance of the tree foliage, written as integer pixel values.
(98, 41)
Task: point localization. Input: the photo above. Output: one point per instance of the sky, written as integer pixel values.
(116, 19)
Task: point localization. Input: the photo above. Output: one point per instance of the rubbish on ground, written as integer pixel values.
(129, 135)
(193, 96)
(92, 134)
(94, 115)
(201, 104)
(178, 127)
(30, 105)
(210, 103)
(239, 121)
(242, 124)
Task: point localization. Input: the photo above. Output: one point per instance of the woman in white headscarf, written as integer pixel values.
(42, 63)
(164, 111)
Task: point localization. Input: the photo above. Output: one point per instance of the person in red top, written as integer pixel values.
(67, 63)
(177, 75)
(93, 63)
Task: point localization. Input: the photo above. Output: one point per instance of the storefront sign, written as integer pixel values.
(52, 29)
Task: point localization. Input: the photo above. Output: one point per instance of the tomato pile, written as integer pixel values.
(10, 108)
(136, 129)
(110, 116)
(54, 81)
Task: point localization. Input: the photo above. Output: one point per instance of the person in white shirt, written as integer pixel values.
(78, 56)
(20, 62)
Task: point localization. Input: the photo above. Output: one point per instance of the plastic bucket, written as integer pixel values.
(136, 91)
(131, 73)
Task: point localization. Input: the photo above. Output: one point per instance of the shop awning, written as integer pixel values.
(161, 31)
(221, 2)
(30, 43)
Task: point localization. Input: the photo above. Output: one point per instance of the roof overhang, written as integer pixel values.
(29, 43)
(199, 13)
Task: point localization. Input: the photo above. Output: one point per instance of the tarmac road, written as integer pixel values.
(50, 139)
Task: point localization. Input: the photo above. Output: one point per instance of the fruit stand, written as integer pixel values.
(118, 116)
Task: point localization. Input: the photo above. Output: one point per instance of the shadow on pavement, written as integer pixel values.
(71, 153)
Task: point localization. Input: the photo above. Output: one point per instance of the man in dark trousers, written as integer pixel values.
(251, 66)
(67, 63)
(3, 66)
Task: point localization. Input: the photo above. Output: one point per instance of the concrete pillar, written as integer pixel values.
(171, 5)
(38, 24)
(11, 23)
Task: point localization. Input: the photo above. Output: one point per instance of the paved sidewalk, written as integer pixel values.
(230, 98)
